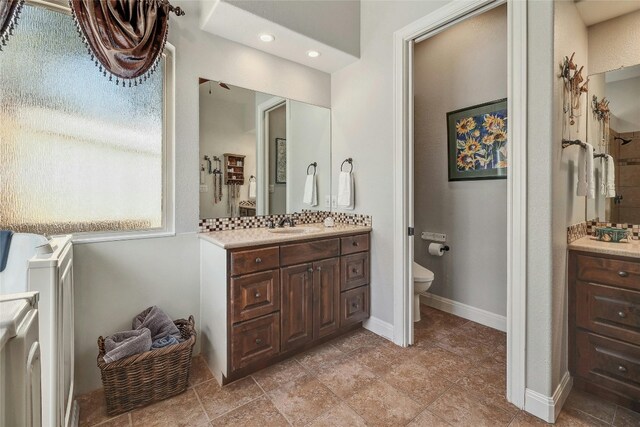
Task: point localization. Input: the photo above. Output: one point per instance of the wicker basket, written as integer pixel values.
(150, 376)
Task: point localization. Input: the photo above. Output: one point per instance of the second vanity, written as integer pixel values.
(267, 294)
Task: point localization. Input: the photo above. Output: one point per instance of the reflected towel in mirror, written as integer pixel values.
(310, 196)
(586, 178)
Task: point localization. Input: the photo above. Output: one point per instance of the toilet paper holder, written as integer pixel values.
(445, 248)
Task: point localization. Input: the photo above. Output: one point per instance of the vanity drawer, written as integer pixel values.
(254, 295)
(253, 260)
(609, 363)
(354, 270)
(354, 306)
(614, 312)
(353, 244)
(609, 271)
(299, 253)
(255, 340)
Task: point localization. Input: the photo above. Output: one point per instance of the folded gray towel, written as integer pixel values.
(157, 322)
(126, 343)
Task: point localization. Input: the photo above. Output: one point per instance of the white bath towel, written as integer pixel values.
(586, 178)
(610, 178)
(310, 196)
(252, 189)
(603, 175)
(346, 191)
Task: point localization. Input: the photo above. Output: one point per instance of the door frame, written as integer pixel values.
(262, 152)
(435, 22)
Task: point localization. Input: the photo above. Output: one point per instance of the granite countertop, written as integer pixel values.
(231, 239)
(590, 244)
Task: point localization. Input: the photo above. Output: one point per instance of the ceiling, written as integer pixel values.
(596, 11)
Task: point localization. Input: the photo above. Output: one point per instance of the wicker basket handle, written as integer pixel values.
(101, 351)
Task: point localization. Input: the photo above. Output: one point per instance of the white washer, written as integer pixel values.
(20, 389)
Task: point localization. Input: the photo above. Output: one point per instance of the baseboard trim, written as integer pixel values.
(548, 408)
(474, 314)
(379, 327)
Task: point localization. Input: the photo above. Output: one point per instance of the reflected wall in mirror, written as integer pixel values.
(614, 129)
(261, 154)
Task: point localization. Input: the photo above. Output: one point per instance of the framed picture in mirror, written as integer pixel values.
(281, 161)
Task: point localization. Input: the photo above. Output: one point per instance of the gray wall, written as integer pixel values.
(277, 129)
(335, 23)
(473, 214)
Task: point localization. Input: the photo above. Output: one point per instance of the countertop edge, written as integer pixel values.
(590, 245)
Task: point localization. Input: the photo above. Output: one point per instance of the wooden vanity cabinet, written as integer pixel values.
(604, 326)
(290, 297)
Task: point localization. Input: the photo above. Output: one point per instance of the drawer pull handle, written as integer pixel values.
(355, 243)
(623, 274)
(258, 260)
(258, 295)
(622, 314)
(258, 341)
(622, 369)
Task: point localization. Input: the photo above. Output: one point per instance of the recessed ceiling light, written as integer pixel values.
(267, 37)
(313, 53)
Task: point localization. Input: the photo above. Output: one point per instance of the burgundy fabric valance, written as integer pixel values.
(9, 12)
(125, 37)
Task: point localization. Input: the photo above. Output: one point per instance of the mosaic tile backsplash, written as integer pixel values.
(577, 231)
(304, 217)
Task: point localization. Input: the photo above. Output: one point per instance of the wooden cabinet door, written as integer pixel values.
(326, 297)
(296, 307)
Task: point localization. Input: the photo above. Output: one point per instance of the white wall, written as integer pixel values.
(114, 281)
(277, 129)
(473, 214)
(226, 126)
(362, 128)
(623, 33)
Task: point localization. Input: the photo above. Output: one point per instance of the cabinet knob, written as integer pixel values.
(622, 369)
(258, 341)
(622, 314)
(623, 274)
(258, 294)
(354, 271)
(258, 260)
(310, 269)
(319, 268)
(355, 243)
(354, 305)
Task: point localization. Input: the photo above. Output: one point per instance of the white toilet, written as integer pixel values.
(422, 279)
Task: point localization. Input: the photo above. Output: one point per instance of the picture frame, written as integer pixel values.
(477, 142)
(281, 161)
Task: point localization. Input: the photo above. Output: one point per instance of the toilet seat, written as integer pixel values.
(421, 274)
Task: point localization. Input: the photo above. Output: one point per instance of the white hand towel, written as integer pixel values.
(581, 189)
(603, 175)
(346, 193)
(591, 177)
(586, 179)
(252, 189)
(611, 178)
(310, 196)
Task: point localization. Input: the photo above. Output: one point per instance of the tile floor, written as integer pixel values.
(453, 376)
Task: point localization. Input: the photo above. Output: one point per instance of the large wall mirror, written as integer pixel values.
(261, 154)
(613, 126)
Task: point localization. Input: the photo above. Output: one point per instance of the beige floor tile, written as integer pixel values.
(426, 418)
(93, 409)
(380, 404)
(315, 358)
(345, 377)
(626, 418)
(303, 400)
(462, 408)
(420, 382)
(524, 419)
(179, 411)
(123, 420)
(199, 371)
(218, 400)
(570, 417)
(429, 334)
(591, 405)
(339, 416)
(488, 380)
(377, 359)
(259, 413)
(447, 364)
(357, 339)
(460, 344)
(276, 375)
(484, 334)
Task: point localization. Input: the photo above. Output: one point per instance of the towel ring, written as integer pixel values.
(350, 161)
(315, 165)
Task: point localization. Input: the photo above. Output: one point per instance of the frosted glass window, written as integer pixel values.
(77, 153)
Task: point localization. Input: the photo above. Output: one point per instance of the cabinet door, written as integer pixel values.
(297, 305)
(326, 297)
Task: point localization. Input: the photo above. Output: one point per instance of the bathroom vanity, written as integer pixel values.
(604, 319)
(269, 293)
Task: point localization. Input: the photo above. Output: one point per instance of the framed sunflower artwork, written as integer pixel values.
(477, 140)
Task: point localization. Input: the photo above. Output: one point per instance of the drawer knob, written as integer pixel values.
(355, 243)
(354, 271)
(258, 260)
(258, 341)
(622, 369)
(310, 269)
(354, 305)
(258, 295)
(623, 274)
(622, 314)
(319, 268)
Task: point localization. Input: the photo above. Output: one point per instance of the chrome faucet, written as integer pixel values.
(286, 220)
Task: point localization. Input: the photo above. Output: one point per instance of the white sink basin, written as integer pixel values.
(292, 230)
